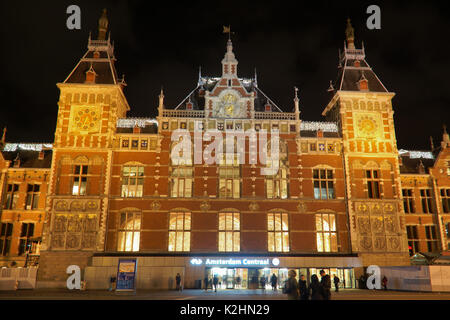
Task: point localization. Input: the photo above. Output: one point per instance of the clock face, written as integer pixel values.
(85, 119)
(228, 106)
(367, 125)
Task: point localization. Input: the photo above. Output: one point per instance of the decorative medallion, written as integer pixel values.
(366, 243)
(395, 243)
(390, 224)
(302, 207)
(76, 206)
(388, 207)
(253, 206)
(205, 206)
(377, 224)
(156, 205)
(376, 208)
(91, 205)
(380, 243)
(61, 205)
(362, 207)
(364, 225)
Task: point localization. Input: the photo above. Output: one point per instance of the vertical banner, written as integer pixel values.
(126, 275)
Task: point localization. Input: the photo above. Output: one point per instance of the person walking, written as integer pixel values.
(206, 282)
(273, 282)
(291, 286)
(215, 282)
(336, 281)
(325, 283)
(238, 282)
(263, 283)
(384, 282)
(303, 288)
(178, 282)
(314, 287)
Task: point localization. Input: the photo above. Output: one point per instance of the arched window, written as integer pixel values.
(129, 231)
(132, 181)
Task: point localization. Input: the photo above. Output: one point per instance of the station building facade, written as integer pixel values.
(110, 188)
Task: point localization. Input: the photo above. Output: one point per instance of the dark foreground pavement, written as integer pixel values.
(192, 294)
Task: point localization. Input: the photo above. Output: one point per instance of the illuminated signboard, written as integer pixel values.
(236, 262)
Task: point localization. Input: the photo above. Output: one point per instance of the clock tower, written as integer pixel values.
(90, 103)
(362, 106)
(229, 98)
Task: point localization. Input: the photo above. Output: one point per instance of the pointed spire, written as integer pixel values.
(445, 138)
(296, 105)
(431, 143)
(3, 140)
(102, 26)
(421, 167)
(256, 79)
(200, 80)
(161, 99)
(229, 62)
(350, 35)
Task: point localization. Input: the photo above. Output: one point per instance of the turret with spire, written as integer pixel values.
(102, 26)
(229, 62)
(161, 102)
(350, 35)
(445, 138)
(3, 140)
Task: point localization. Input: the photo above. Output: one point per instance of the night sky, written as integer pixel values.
(290, 44)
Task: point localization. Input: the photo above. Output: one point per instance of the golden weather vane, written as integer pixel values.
(228, 30)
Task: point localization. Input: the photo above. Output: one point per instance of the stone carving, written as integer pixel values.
(253, 206)
(58, 240)
(61, 205)
(76, 206)
(60, 223)
(395, 243)
(90, 224)
(91, 205)
(205, 206)
(302, 207)
(366, 243)
(390, 224)
(377, 224)
(156, 205)
(388, 207)
(376, 208)
(88, 240)
(364, 225)
(73, 241)
(380, 243)
(74, 224)
(361, 207)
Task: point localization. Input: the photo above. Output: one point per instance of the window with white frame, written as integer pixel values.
(278, 232)
(326, 233)
(229, 231)
(129, 232)
(323, 184)
(179, 231)
(132, 181)
(79, 187)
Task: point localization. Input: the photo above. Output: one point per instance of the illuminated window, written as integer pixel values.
(278, 232)
(408, 201)
(26, 234)
(326, 232)
(129, 231)
(229, 176)
(181, 181)
(447, 233)
(277, 184)
(5, 238)
(413, 240)
(32, 200)
(180, 231)
(373, 184)
(12, 195)
(425, 198)
(229, 235)
(323, 184)
(80, 180)
(445, 198)
(132, 181)
(432, 241)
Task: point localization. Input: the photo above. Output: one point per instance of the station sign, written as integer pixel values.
(249, 262)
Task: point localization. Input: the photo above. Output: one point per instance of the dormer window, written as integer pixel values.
(363, 83)
(268, 107)
(357, 64)
(96, 55)
(90, 75)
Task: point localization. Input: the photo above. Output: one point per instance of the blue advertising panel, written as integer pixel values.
(126, 275)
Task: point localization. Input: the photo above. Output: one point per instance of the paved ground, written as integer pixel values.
(349, 294)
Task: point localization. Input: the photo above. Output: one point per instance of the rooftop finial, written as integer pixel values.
(296, 93)
(350, 35)
(256, 78)
(3, 136)
(161, 99)
(227, 30)
(445, 136)
(331, 87)
(102, 26)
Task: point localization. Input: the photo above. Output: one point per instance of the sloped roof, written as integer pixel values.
(411, 160)
(28, 154)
